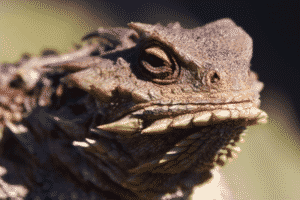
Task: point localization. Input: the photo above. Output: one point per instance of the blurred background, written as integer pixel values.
(269, 165)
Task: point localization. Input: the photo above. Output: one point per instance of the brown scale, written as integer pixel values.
(11, 105)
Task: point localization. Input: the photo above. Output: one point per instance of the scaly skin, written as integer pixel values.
(142, 113)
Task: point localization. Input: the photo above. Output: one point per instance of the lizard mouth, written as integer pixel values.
(163, 116)
(177, 137)
(189, 134)
(161, 119)
(198, 137)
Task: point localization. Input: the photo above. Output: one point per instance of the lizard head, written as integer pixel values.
(179, 76)
(173, 96)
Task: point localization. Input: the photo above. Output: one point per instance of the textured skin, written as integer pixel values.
(140, 113)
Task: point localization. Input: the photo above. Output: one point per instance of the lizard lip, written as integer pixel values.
(197, 102)
(163, 116)
(162, 119)
(165, 107)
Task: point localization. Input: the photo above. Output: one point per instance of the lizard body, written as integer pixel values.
(142, 113)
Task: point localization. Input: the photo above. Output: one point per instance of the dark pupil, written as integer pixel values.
(154, 61)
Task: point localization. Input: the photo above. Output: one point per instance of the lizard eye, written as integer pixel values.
(158, 65)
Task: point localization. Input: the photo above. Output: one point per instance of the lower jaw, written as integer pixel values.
(188, 160)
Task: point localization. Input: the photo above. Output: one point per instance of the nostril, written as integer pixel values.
(215, 78)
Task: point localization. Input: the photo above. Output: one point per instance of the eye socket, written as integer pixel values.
(157, 64)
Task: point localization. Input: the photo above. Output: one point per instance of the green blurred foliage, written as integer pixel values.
(30, 26)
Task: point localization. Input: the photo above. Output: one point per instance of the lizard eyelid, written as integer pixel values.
(158, 64)
(159, 53)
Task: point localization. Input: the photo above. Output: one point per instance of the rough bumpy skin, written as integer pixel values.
(139, 113)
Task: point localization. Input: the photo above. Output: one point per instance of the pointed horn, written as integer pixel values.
(262, 118)
(202, 118)
(182, 121)
(126, 126)
(220, 115)
(158, 127)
